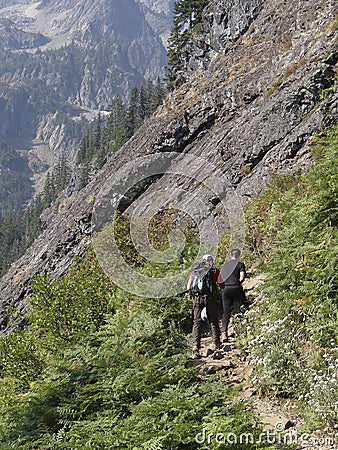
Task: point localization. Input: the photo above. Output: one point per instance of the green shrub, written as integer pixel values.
(75, 303)
(122, 386)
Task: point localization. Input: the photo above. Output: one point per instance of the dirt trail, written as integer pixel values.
(279, 418)
(232, 366)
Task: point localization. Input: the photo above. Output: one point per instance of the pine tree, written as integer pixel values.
(97, 133)
(85, 148)
(143, 104)
(157, 95)
(84, 175)
(48, 190)
(175, 57)
(10, 232)
(133, 118)
(31, 224)
(118, 124)
(62, 174)
(81, 152)
(187, 14)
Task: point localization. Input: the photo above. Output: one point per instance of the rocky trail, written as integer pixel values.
(279, 418)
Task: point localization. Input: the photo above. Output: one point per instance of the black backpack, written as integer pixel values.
(202, 282)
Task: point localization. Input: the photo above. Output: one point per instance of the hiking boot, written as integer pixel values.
(225, 337)
(215, 345)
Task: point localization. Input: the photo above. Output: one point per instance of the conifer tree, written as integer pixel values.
(133, 114)
(157, 96)
(84, 175)
(97, 133)
(187, 14)
(118, 123)
(9, 238)
(48, 190)
(31, 224)
(62, 174)
(85, 149)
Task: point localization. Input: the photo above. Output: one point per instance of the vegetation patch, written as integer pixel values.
(292, 231)
(98, 368)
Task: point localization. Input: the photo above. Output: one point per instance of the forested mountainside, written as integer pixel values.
(253, 117)
(242, 150)
(61, 62)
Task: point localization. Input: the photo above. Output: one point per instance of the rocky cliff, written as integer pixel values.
(260, 83)
(70, 58)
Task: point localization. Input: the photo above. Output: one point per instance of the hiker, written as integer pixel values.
(202, 286)
(233, 274)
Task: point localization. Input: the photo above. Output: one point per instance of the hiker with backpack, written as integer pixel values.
(202, 286)
(233, 274)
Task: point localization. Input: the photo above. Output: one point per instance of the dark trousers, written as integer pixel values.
(229, 296)
(212, 312)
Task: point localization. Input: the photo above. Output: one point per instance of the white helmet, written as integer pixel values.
(209, 260)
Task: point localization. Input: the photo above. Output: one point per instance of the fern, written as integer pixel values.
(293, 327)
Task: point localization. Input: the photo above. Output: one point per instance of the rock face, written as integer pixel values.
(72, 57)
(123, 35)
(250, 104)
(224, 22)
(14, 38)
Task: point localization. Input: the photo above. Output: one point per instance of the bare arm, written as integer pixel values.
(241, 276)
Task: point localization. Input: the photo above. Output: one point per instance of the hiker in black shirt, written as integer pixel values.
(233, 274)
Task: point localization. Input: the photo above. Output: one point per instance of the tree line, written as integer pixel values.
(110, 132)
(18, 229)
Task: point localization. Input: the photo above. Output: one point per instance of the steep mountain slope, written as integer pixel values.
(261, 83)
(121, 29)
(62, 61)
(53, 24)
(15, 174)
